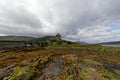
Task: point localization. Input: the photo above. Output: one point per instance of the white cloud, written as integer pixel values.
(3, 35)
(75, 19)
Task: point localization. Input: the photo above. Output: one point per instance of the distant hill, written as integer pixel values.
(24, 38)
(15, 38)
(45, 38)
(81, 42)
(116, 42)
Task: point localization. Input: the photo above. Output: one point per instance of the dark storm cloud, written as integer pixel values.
(84, 20)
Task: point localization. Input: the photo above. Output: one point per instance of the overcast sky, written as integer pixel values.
(82, 20)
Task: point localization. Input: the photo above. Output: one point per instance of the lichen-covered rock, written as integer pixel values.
(6, 71)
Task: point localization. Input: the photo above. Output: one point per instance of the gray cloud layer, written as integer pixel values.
(84, 20)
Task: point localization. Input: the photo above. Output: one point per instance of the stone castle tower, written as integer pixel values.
(58, 37)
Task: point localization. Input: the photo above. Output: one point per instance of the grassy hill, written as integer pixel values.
(45, 38)
(15, 38)
(33, 39)
(24, 38)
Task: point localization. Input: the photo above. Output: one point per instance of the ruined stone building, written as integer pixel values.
(11, 44)
(58, 37)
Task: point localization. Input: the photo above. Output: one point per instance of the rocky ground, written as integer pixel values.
(61, 63)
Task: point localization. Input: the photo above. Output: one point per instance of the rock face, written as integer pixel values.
(53, 68)
(5, 71)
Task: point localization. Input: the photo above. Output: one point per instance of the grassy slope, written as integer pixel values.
(15, 38)
(42, 38)
(24, 38)
(61, 61)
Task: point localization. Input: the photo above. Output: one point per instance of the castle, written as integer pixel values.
(58, 37)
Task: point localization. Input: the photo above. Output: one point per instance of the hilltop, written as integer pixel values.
(43, 39)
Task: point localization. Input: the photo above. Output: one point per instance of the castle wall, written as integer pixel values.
(13, 44)
(10, 44)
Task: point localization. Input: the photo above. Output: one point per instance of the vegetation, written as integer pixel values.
(61, 60)
(15, 38)
(43, 39)
(25, 38)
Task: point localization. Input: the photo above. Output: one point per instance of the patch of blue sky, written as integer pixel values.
(114, 26)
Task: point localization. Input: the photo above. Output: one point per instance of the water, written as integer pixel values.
(111, 45)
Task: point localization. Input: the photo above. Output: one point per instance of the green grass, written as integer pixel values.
(63, 44)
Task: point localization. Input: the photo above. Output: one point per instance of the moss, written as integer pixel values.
(15, 74)
(1, 55)
(91, 62)
(108, 75)
(10, 78)
(43, 60)
(29, 74)
(19, 71)
(34, 64)
(69, 77)
(88, 74)
(83, 74)
(116, 71)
